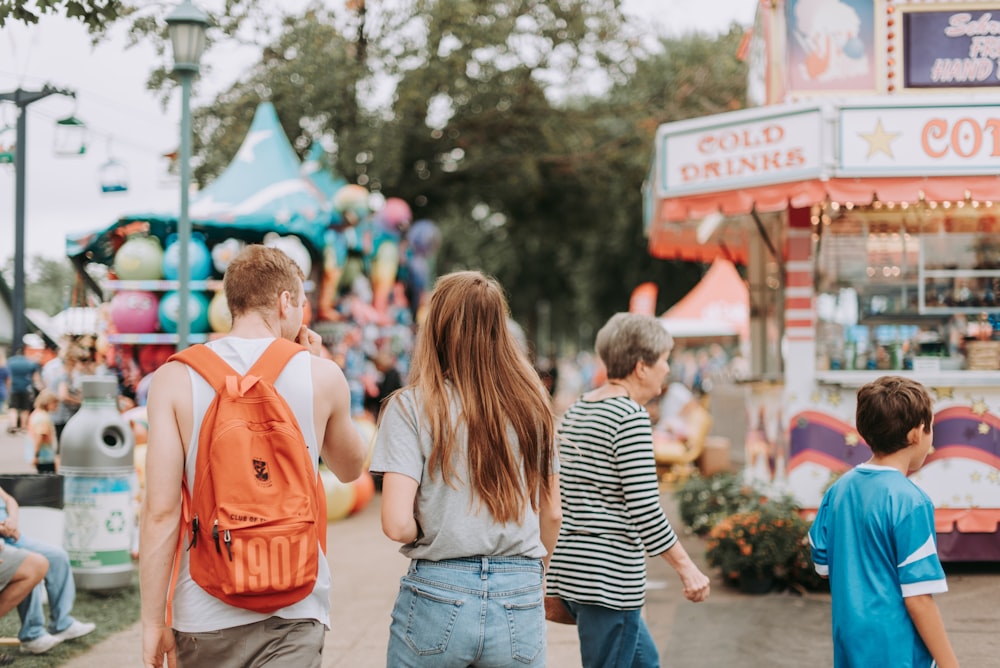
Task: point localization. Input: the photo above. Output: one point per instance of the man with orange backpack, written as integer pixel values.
(233, 568)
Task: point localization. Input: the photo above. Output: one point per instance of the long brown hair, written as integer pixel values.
(466, 351)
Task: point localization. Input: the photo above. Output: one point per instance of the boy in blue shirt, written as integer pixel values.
(874, 537)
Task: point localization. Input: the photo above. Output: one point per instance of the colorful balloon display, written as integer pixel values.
(170, 308)
(199, 259)
(139, 259)
(135, 311)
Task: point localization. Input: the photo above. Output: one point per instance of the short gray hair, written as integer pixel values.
(627, 338)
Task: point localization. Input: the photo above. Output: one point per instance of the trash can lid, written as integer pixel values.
(99, 387)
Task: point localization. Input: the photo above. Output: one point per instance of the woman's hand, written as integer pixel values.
(696, 584)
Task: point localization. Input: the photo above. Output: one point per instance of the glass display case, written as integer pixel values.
(904, 289)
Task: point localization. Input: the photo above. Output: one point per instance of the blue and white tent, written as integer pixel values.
(264, 189)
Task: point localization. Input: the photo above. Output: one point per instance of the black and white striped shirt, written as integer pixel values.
(611, 505)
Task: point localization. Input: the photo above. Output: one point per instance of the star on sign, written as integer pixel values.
(879, 140)
(983, 428)
(979, 407)
(944, 392)
(851, 439)
(251, 141)
(833, 398)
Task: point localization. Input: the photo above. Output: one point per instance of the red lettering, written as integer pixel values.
(795, 158)
(729, 141)
(771, 161)
(689, 173)
(934, 129)
(993, 127)
(773, 133)
(956, 138)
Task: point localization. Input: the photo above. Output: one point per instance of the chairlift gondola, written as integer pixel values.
(113, 174)
(8, 144)
(70, 137)
(114, 177)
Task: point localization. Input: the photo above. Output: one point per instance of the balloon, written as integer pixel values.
(293, 248)
(339, 496)
(170, 308)
(224, 252)
(134, 311)
(424, 237)
(199, 259)
(219, 317)
(395, 214)
(352, 199)
(364, 491)
(139, 259)
(367, 428)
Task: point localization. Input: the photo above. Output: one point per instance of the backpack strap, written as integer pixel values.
(207, 363)
(269, 365)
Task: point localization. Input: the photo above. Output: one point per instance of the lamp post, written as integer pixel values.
(187, 25)
(21, 99)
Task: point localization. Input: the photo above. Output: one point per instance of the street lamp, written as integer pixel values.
(187, 25)
(21, 99)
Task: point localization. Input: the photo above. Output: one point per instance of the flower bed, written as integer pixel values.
(758, 543)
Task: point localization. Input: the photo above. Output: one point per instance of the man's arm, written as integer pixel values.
(161, 507)
(341, 445)
(923, 610)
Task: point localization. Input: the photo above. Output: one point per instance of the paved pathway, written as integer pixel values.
(773, 631)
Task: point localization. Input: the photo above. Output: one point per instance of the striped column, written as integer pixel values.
(800, 313)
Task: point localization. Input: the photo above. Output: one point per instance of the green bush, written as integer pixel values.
(703, 501)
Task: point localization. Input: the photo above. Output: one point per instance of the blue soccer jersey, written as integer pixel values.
(874, 536)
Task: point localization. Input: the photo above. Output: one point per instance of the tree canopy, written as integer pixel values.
(523, 128)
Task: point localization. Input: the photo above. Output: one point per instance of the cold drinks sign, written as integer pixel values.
(748, 148)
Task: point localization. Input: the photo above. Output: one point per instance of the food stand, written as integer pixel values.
(862, 198)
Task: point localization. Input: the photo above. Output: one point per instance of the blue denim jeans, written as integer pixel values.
(613, 638)
(59, 587)
(475, 611)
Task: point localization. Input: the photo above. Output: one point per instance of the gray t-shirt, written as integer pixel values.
(454, 523)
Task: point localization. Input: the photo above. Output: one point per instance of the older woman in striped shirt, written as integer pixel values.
(610, 499)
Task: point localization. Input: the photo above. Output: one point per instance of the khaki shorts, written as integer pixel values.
(274, 641)
(11, 559)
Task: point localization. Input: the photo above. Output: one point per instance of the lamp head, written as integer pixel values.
(187, 25)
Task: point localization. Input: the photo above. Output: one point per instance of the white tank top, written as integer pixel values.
(195, 610)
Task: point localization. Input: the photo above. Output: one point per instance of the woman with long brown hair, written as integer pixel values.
(470, 487)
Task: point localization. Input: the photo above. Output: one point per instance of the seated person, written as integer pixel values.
(673, 406)
(20, 571)
(35, 637)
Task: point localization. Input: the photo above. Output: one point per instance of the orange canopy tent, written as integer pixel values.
(719, 305)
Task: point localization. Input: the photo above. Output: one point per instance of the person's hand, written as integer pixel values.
(9, 529)
(158, 647)
(310, 340)
(696, 584)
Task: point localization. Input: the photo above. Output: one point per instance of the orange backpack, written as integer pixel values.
(257, 514)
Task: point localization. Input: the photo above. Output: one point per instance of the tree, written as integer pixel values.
(50, 285)
(529, 183)
(96, 14)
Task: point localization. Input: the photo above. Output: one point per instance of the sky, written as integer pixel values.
(127, 123)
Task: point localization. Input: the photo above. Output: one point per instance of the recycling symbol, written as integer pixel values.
(115, 522)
